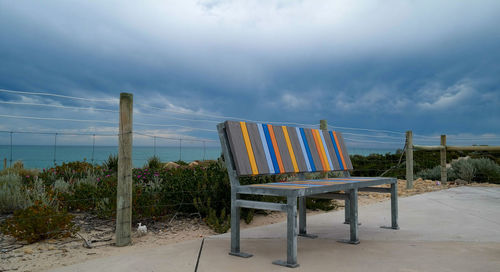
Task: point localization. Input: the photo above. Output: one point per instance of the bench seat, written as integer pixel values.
(312, 187)
(252, 149)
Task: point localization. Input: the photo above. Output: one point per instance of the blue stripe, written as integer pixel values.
(303, 149)
(271, 149)
(336, 150)
(266, 150)
(326, 149)
(306, 144)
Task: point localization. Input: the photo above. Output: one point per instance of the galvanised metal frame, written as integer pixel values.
(328, 191)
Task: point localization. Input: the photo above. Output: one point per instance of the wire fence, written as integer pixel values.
(182, 135)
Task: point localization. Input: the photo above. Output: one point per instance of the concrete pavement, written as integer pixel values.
(451, 230)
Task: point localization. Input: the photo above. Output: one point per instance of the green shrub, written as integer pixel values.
(431, 173)
(219, 223)
(12, 193)
(61, 186)
(321, 204)
(486, 170)
(154, 163)
(38, 193)
(463, 169)
(147, 200)
(480, 170)
(92, 193)
(26, 175)
(111, 163)
(68, 171)
(39, 222)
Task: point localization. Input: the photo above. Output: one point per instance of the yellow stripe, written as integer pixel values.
(248, 145)
(290, 149)
(322, 148)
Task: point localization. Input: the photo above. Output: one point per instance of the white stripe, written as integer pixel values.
(326, 149)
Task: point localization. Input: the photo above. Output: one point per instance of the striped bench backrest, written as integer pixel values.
(269, 149)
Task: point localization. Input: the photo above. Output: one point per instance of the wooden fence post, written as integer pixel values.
(444, 176)
(4, 163)
(323, 125)
(124, 190)
(409, 159)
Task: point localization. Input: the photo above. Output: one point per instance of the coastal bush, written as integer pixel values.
(154, 163)
(61, 186)
(486, 170)
(93, 193)
(17, 168)
(463, 169)
(36, 192)
(479, 170)
(39, 222)
(68, 171)
(147, 200)
(375, 164)
(431, 173)
(111, 163)
(12, 193)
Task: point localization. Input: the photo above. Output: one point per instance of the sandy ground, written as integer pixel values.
(55, 253)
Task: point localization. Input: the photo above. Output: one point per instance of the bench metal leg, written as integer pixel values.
(394, 207)
(291, 248)
(303, 220)
(235, 229)
(346, 211)
(353, 217)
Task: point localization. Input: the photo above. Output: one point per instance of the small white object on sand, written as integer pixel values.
(142, 230)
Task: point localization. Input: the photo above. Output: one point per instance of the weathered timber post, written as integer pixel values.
(124, 190)
(409, 159)
(323, 125)
(444, 177)
(4, 163)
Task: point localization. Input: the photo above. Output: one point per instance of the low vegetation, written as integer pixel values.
(466, 169)
(162, 191)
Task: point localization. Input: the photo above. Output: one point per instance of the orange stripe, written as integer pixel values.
(317, 141)
(340, 149)
(290, 149)
(248, 145)
(276, 149)
(322, 147)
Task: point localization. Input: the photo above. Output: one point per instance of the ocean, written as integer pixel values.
(45, 156)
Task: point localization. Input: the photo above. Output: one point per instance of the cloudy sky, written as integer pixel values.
(428, 66)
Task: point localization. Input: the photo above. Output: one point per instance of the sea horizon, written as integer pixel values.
(46, 156)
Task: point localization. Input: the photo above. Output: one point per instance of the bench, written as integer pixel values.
(251, 149)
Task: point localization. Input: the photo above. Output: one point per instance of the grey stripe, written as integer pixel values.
(238, 149)
(258, 150)
(297, 150)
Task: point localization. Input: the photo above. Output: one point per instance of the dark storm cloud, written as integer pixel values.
(427, 66)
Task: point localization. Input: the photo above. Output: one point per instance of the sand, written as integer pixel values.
(49, 254)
